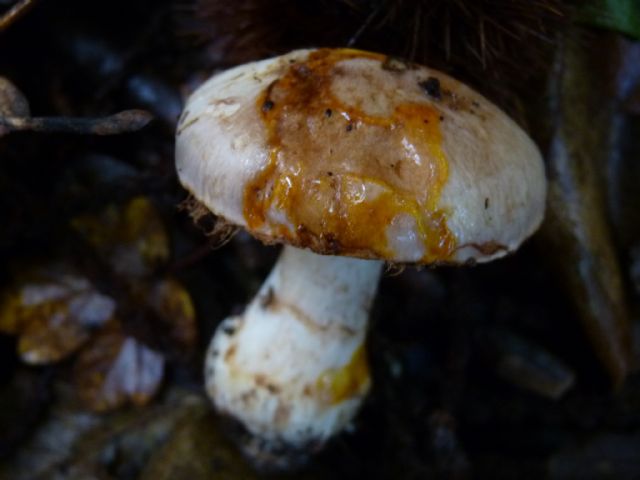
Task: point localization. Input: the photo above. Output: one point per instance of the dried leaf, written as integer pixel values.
(197, 449)
(10, 308)
(49, 446)
(115, 369)
(577, 228)
(73, 445)
(131, 238)
(53, 314)
(527, 365)
(172, 303)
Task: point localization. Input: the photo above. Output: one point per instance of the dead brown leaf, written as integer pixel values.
(115, 369)
(172, 304)
(130, 237)
(54, 312)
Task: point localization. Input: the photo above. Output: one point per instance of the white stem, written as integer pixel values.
(292, 369)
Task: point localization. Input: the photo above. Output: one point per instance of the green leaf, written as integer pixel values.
(620, 15)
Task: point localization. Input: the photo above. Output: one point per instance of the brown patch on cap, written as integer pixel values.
(347, 212)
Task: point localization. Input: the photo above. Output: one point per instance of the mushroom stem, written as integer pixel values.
(292, 370)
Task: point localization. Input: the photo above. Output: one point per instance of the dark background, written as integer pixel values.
(444, 405)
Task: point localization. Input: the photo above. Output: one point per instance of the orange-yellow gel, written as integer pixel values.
(340, 384)
(341, 175)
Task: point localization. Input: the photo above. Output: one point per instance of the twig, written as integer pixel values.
(356, 36)
(123, 122)
(19, 9)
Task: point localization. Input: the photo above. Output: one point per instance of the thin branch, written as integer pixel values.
(122, 122)
(18, 10)
(356, 36)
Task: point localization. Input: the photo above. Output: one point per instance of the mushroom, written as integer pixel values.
(351, 159)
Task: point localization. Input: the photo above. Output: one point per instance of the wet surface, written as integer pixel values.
(350, 160)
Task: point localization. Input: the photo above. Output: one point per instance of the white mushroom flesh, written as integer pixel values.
(293, 366)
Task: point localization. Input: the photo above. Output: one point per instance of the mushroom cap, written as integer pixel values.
(347, 152)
